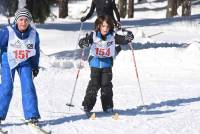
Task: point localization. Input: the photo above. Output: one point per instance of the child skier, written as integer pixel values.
(20, 52)
(102, 50)
(105, 7)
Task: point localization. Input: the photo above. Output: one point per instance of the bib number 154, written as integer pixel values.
(103, 52)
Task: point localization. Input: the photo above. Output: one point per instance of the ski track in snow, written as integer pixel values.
(74, 121)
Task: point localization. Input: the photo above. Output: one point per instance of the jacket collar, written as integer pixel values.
(108, 36)
(22, 35)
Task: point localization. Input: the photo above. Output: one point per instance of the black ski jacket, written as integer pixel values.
(104, 7)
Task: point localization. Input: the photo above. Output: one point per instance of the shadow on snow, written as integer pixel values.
(150, 110)
(76, 54)
(133, 111)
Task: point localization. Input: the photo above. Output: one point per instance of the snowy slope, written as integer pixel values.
(167, 53)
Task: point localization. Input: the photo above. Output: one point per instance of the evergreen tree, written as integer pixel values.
(63, 8)
(186, 8)
(11, 7)
(40, 9)
(171, 8)
(131, 9)
(122, 8)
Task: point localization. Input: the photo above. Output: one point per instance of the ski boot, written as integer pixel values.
(109, 110)
(34, 121)
(87, 112)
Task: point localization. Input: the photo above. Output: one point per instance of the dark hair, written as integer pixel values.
(99, 21)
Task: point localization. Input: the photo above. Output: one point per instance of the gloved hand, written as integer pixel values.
(35, 72)
(129, 37)
(118, 25)
(118, 49)
(83, 19)
(84, 42)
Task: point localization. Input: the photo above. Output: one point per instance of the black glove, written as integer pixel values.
(118, 25)
(118, 49)
(129, 37)
(83, 19)
(35, 72)
(84, 42)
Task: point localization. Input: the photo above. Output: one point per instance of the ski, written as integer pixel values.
(37, 127)
(149, 36)
(3, 131)
(115, 116)
(93, 116)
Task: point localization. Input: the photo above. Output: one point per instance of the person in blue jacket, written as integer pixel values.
(102, 43)
(20, 52)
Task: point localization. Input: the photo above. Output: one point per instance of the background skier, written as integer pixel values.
(102, 50)
(105, 7)
(19, 45)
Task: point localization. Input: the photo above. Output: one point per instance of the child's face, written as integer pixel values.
(104, 28)
(22, 23)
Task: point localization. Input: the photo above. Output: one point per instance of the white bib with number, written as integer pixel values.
(20, 50)
(101, 48)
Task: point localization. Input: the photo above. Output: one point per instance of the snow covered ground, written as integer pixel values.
(167, 53)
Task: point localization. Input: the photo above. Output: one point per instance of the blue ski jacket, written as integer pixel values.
(106, 62)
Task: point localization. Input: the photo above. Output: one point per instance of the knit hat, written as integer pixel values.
(23, 12)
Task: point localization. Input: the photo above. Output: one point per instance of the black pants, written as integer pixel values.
(100, 79)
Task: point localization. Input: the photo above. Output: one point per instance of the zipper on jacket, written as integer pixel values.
(22, 36)
(100, 65)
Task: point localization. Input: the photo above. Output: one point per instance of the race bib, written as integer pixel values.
(101, 48)
(20, 50)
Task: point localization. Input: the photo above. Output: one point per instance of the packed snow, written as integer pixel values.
(167, 53)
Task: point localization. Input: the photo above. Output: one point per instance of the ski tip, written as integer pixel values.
(3, 132)
(90, 115)
(116, 116)
(93, 116)
(50, 132)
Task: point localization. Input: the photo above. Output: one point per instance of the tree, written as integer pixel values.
(186, 8)
(12, 7)
(21, 3)
(3, 7)
(63, 8)
(131, 9)
(40, 9)
(171, 8)
(122, 8)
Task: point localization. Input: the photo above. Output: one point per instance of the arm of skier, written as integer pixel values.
(86, 41)
(35, 59)
(4, 35)
(116, 11)
(3, 38)
(124, 39)
(92, 8)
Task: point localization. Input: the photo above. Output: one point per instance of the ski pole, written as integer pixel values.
(75, 83)
(78, 71)
(79, 35)
(136, 71)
